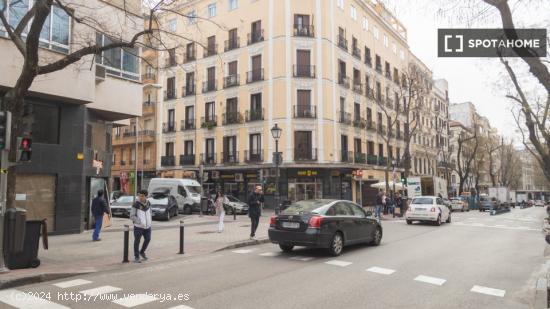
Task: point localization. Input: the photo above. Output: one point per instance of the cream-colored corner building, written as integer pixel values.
(321, 70)
(73, 109)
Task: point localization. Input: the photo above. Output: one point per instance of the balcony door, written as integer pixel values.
(256, 67)
(188, 148)
(171, 87)
(344, 146)
(232, 68)
(189, 116)
(357, 146)
(303, 60)
(303, 145)
(230, 149)
(304, 103)
(233, 38)
(256, 31)
(255, 147)
(210, 112)
(301, 22)
(211, 75)
(190, 82)
(169, 149)
(171, 120)
(210, 151)
(231, 110)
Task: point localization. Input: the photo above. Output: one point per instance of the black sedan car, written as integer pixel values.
(330, 224)
(163, 205)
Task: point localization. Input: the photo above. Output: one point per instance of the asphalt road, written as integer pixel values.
(477, 261)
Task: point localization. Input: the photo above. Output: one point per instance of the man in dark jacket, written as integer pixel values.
(99, 207)
(255, 201)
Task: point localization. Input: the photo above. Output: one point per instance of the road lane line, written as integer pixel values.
(181, 307)
(380, 270)
(488, 291)
(100, 290)
(339, 263)
(243, 251)
(430, 280)
(23, 300)
(135, 300)
(270, 254)
(71, 283)
(302, 258)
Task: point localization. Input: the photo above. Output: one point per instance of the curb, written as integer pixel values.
(38, 278)
(541, 294)
(245, 244)
(500, 211)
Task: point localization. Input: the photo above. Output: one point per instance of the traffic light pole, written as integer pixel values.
(3, 199)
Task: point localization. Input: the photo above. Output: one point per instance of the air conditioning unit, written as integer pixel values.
(215, 175)
(239, 177)
(100, 73)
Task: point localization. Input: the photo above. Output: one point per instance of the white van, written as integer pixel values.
(186, 191)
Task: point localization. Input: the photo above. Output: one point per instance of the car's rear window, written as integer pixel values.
(304, 207)
(125, 199)
(422, 200)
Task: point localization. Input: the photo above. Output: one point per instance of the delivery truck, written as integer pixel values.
(501, 194)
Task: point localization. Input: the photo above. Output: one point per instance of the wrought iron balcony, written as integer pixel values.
(149, 76)
(211, 50)
(188, 90)
(381, 129)
(372, 159)
(370, 93)
(345, 118)
(168, 161)
(342, 43)
(359, 122)
(368, 61)
(382, 161)
(388, 75)
(208, 158)
(209, 122)
(168, 127)
(253, 156)
(190, 56)
(232, 118)
(187, 159)
(232, 44)
(304, 30)
(230, 157)
(346, 156)
(255, 37)
(307, 71)
(170, 94)
(360, 158)
(301, 154)
(371, 125)
(209, 85)
(305, 111)
(356, 52)
(379, 68)
(343, 80)
(254, 115)
(188, 124)
(231, 81)
(254, 76)
(357, 87)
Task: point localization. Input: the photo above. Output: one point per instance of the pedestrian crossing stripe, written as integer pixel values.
(71, 283)
(135, 300)
(100, 290)
(23, 300)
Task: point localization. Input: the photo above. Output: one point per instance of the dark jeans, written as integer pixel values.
(255, 220)
(97, 227)
(138, 232)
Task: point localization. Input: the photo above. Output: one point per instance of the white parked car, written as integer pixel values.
(428, 208)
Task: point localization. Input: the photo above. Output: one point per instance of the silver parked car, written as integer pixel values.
(122, 206)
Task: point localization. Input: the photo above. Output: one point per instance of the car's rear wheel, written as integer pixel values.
(462, 209)
(168, 216)
(337, 244)
(286, 248)
(438, 222)
(377, 237)
(409, 222)
(449, 219)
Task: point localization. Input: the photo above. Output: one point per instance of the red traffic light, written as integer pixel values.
(25, 144)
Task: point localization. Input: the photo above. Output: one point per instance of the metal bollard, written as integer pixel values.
(234, 214)
(182, 227)
(126, 241)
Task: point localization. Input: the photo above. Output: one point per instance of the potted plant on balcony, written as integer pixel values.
(207, 125)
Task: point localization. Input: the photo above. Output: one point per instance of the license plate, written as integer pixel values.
(419, 209)
(291, 225)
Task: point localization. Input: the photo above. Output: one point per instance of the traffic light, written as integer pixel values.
(404, 180)
(24, 149)
(5, 129)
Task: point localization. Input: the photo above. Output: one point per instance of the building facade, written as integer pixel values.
(74, 110)
(326, 72)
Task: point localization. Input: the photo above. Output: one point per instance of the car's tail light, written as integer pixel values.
(273, 221)
(315, 222)
(433, 209)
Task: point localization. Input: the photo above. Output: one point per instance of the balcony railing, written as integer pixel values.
(342, 43)
(149, 76)
(254, 76)
(368, 61)
(170, 62)
(388, 75)
(389, 102)
(209, 85)
(360, 158)
(187, 159)
(343, 80)
(304, 71)
(304, 30)
(209, 122)
(255, 37)
(188, 124)
(371, 126)
(357, 87)
(190, 56)
(168, 161)
(382, 161)
(211, 50)
(359, 122)
(170, 95)
(372, 159)
(356, 52)
(381, 129)
(149, 103)
(188, 90)
(122, 163)
(231, 81)
(232, 118)
(369, 93)
(254, 115)
(230, 157)
(251, 156)
(168, 127)
(301, 154)
(208, 158)
(345, 118)
(379, 68)
(232, 44)
(305, 111)
(346, 156)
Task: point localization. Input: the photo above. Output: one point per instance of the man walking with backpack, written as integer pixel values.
(140, 214)
(255, 201)
(99, 207)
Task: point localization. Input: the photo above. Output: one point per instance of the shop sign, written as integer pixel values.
(239, 177)
(252, 175)
(230, 176)
(307, 173)
(335, 173)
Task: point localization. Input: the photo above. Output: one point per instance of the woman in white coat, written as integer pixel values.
(219, 201)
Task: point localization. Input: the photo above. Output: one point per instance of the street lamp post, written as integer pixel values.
(276, 133)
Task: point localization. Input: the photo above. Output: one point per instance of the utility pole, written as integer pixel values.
(135, 160)
(4, 182)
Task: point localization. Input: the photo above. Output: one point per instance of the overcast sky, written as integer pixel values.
(479, 80)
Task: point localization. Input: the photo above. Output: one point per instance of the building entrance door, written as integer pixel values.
(304, 191)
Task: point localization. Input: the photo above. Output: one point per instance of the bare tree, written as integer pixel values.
(387, 105)
(491, 149)
(510, 166)
(467, 145)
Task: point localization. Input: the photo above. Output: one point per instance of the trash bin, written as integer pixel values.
(14, 229)
(28, 257)
(204, 204)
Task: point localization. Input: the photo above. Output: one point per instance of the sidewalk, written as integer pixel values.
(76, 254)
